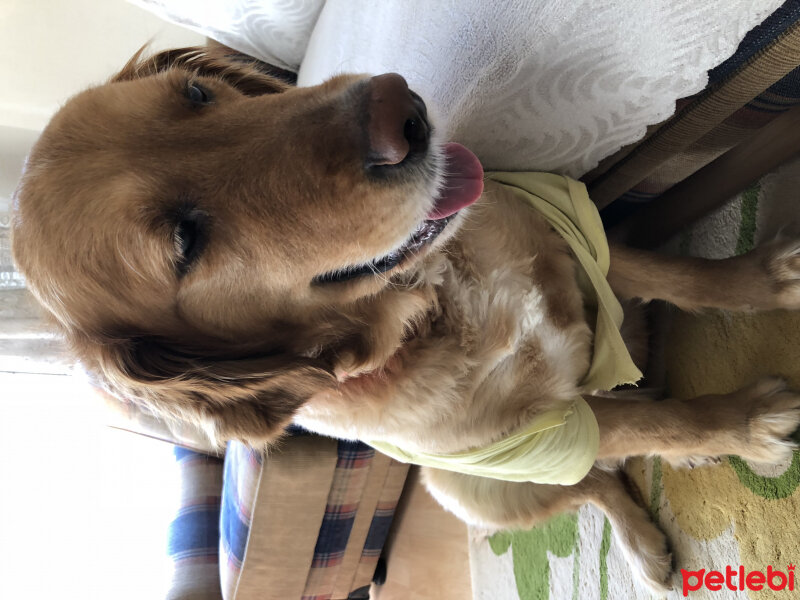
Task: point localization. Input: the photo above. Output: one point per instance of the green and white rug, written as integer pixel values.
(732, 518)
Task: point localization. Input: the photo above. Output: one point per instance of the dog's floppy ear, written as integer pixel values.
(248, 396)
(250, 76)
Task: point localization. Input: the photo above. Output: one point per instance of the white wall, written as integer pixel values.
(52, 49)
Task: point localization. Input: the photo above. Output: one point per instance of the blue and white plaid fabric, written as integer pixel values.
(242, 472)
(210, 532)
(193, 542)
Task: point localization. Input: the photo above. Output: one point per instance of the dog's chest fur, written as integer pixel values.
(510, 340)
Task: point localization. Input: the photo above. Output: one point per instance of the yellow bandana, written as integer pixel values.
(559, 446)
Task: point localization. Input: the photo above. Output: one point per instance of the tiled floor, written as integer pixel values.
(427, 555)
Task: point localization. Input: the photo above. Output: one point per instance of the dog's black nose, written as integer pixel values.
(397, 121)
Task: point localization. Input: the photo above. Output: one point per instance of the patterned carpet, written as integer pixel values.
(733, 518)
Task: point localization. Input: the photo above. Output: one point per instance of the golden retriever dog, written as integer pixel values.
(232, 250)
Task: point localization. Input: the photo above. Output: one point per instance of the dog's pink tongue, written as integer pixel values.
(463, 181)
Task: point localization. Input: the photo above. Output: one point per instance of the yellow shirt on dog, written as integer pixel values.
(559, 446)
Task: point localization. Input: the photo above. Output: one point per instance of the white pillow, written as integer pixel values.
(276, 31)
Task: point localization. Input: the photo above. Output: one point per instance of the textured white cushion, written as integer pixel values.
(276, 31)
(534, 85)
(525, 84)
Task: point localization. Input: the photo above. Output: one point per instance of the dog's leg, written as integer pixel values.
(764, 279)
(495, 504)
(753, 423)
(642, 543)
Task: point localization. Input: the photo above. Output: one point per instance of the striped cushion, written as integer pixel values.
(382, 519)
(349, 479)
(194, 532)
(309, 521)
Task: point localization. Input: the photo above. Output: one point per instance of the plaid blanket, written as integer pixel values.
(193, 538)
(242, 472)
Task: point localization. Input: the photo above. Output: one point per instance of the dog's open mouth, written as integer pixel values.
(463, 185)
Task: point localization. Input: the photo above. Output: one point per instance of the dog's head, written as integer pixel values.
(222, 244)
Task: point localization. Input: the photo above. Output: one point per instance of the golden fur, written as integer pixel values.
(454, 348)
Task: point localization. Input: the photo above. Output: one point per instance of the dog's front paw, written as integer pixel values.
(782, 263)
(773, 415)
(658, 574)
(652, 561)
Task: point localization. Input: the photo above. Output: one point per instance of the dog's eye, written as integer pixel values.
(198, 95)
(189, 238)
